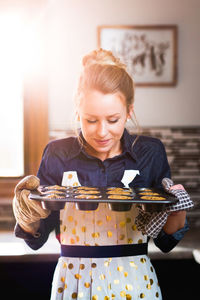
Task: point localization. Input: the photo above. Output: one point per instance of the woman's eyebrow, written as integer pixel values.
(109, 116)
(114, 115)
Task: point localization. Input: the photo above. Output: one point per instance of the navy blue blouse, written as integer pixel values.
(147, 155)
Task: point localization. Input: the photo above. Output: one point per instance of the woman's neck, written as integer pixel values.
(117, 150)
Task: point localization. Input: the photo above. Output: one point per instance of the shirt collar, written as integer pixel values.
(76, 148)
(127, 143)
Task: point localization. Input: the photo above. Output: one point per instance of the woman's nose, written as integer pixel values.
(102, 129)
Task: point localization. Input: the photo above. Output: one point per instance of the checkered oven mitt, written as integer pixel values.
(151, 223)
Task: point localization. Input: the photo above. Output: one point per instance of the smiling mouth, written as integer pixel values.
(102, 142)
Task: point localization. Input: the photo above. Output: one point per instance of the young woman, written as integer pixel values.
(103, 254)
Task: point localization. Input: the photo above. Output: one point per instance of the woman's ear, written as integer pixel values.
(77, 117)
(130, 111)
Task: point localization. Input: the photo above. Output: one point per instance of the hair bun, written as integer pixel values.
(102, 57)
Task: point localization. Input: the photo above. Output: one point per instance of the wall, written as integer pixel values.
(71, 33)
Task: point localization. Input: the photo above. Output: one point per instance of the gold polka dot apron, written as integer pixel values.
(102, 278)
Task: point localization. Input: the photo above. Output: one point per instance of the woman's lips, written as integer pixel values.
(102, 142)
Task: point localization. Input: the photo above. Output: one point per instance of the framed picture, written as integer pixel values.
(150, 52)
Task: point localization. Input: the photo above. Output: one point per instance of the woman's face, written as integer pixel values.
(102, 118)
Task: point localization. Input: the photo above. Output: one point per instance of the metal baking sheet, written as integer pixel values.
(68, 194)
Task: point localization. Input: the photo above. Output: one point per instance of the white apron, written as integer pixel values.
(128, 277)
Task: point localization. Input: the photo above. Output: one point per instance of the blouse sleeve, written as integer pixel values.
(161, 167)
(164, 241)
(49, 170)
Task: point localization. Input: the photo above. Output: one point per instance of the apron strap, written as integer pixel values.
(104, 251)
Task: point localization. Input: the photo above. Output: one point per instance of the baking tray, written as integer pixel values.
(88, 198)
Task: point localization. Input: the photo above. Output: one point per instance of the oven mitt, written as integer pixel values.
(151, 223)
(28, 212)
(179, 192)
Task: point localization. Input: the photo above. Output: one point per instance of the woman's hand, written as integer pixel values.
(28, 212)
(170, 219)
(176, 219)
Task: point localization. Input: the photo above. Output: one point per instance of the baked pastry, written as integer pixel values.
(86, 188)
(87, 196)
(149, 193)
(54, 187)
(152, 198)
(91, 192)
(47, 192)
(54, 196)
(118, 196)
(119, 189)
(118, 192)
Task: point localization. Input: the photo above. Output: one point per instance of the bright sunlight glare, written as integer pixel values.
(19, 57)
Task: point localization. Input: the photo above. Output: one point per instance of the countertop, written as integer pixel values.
(13, 249)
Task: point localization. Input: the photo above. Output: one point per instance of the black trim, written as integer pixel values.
(104, 251)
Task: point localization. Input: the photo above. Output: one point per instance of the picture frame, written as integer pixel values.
(149, 51)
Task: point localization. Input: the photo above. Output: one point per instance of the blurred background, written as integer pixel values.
(42, 43)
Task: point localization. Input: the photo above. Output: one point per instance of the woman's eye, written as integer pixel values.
(113, 121)
(91, 121)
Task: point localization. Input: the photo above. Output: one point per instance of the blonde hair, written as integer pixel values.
(104, 72)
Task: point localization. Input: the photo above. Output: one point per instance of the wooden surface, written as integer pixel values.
(35, 132)
(35, 125)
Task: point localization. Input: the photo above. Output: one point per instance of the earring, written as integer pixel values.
(77, 118)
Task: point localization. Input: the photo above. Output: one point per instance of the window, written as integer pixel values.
(23, 97)
(35, 136)
(11, 112)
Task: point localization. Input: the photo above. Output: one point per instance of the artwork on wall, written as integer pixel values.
(150, 52)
